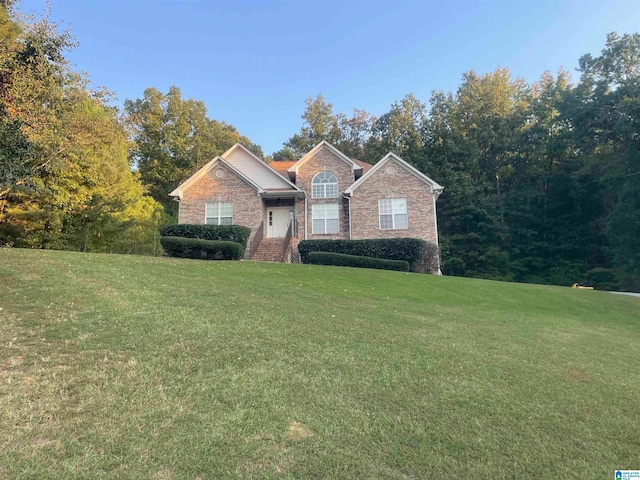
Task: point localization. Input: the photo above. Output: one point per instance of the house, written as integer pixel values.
(324, 195)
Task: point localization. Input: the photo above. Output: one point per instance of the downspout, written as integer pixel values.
(177, 199)
(435, 216)
(348, 197)
(435, 222)
(306, 217)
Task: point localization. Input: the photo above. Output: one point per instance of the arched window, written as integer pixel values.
(325, 185)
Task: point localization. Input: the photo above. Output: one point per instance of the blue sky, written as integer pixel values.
(253, 63)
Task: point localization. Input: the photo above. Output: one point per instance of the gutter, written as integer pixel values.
(435, 222)
(348, 197)
(282, 193)
(306, 217)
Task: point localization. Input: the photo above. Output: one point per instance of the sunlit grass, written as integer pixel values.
(134, 367)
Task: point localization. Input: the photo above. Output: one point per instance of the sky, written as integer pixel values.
(253, 63)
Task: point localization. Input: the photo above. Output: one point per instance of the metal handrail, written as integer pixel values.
(287, 240)
(255, 241)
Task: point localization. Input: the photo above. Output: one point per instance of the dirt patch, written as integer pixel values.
(575, 375)
(165, 473)
(298, 431)
(11, 363)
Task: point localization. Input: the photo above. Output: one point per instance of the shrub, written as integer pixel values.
(421, 255)
(340, 259)
(229, 233)
(201, 249)
(430, 260)
(603, 278)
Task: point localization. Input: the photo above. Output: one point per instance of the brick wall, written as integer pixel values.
(401, 184)
(248, 208)
(247, 204)
(324, 159)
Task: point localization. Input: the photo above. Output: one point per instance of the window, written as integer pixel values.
(325, 218)
(219, 213)
(393, 213)
(324, 185)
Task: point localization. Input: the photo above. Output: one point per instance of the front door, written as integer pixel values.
(278, 221)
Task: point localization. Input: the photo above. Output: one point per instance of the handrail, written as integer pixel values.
(255, 241)
(287, 240)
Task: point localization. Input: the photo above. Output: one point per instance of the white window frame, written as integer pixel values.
(213, 213)
(323, 187)
(319, 212)
(395, 209)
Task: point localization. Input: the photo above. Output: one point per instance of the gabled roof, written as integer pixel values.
(316, 149)
(250, 168)
(435, 187)
(237, 146)
(203, 171)
(258, 170)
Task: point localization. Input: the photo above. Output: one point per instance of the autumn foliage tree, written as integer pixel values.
(66, 181)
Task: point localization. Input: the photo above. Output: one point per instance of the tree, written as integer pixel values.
(319, 124)
(66, 181)
(607, 106)
(285, 153)
(471, 147)
(400, 131)
(349, 135)
(31, 69)
(174, 137)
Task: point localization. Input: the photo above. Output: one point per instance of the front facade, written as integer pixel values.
(324, 195)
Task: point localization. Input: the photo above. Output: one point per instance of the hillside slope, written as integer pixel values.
(122, 366)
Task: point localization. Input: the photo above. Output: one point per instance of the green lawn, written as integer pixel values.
(134, 367)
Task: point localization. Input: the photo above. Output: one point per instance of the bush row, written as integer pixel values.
(202, 249)
(228, 233)
(342, 260)
(419, 254)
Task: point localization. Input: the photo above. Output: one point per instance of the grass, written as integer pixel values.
(135, 367)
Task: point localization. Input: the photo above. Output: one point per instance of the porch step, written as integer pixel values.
(269, 250)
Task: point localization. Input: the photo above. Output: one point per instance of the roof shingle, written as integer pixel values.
(282, 166)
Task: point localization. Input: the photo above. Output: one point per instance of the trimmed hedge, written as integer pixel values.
(228, 233)
(412, 250)
(201, 249)
(342, 260)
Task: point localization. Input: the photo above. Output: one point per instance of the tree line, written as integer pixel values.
(542, 180)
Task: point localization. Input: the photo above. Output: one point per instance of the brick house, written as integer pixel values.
(324, 195)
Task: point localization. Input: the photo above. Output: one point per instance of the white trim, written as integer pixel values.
(349, 202)
(202, 172)
(269, 232)
(283, 193)
(325, 217)
(393, 214)
(435, 223)
(435, 187)
(219, 202)
(239, 145)
(306, 216)
(316, 149)
(324, 185)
